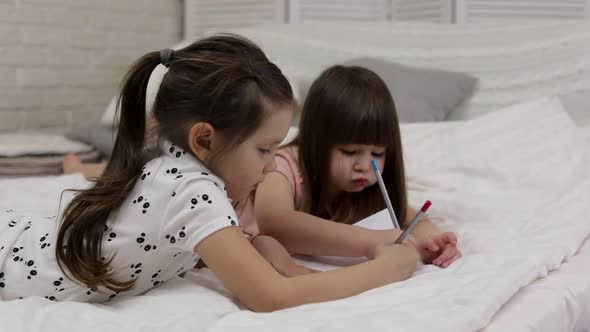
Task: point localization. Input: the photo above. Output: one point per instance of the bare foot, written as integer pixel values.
(90, 171)
(71, 164)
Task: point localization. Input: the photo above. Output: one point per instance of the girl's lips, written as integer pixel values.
(361, 182)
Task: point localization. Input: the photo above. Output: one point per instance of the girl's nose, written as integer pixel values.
(363, 164)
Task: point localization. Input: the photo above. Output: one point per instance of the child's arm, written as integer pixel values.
(303, 233)
(435, 247)
(250, 278)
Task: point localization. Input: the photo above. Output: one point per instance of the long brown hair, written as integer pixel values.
(349, 105)
(224, 80)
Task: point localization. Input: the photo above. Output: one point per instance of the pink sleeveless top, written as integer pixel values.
(287, 160)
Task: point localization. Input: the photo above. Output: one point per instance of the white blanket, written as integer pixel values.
(515, 186)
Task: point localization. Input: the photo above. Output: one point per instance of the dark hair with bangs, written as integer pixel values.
(349, 105)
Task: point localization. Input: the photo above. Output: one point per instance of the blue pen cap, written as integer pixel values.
(374, 164)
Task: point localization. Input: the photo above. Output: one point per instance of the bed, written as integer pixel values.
(509, 172)
(525, 237)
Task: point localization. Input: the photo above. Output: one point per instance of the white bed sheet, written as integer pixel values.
(558, 302)
(516, 225)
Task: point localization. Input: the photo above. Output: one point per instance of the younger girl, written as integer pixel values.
(325, 175)
(222, 108)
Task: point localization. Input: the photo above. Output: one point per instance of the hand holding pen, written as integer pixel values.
(441, 249)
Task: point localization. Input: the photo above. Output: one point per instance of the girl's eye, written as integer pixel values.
(264, 151)
(378, 154)
(348, 152)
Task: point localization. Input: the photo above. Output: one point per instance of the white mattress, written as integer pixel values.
(515, 226)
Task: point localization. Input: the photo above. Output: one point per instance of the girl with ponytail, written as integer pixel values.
(221, 109)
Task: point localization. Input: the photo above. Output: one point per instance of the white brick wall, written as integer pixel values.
(62, 60)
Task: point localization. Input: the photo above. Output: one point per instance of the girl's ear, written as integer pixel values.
(200, 137)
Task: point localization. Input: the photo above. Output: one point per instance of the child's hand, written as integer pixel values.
(440, 250)
(397, 251)
(388, 237)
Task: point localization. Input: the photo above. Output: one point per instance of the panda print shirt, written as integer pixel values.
(176, 203)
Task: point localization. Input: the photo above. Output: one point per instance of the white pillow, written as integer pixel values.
(34, 143)
(577, 104)
(291, 135)
(108, 117)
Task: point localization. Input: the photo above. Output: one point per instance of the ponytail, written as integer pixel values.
(79, 239)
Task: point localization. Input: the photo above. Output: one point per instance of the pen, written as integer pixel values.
(385, 195)
(413, 223)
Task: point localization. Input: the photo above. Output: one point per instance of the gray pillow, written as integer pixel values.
(420, 94)
(102, 138)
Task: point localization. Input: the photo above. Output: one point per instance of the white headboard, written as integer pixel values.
(423, 10)
(342, 10)
(203, 15)
(505, 10)
(513, 62)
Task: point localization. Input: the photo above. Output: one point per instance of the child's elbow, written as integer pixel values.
(270, 220)
(264, 306)
(264, 227)
(268, 301)
(273, 295)
(266, 223)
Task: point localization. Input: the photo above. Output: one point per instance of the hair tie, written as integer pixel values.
(156, 78)
(166, 56)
